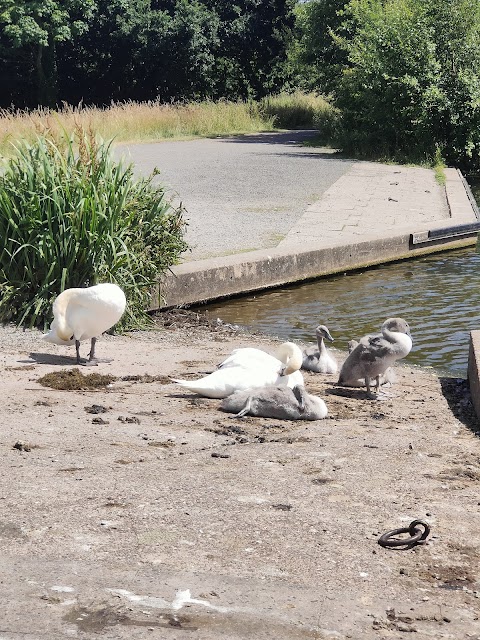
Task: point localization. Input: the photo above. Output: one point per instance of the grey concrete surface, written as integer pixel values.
(241, 193)
(264, 210)
(474, 370)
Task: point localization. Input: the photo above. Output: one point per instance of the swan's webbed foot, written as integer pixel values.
(88, 363)
(81, 361)
(92, 360)
(370, 395)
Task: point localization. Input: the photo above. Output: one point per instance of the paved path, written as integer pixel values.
(244, 192)
(268, 190)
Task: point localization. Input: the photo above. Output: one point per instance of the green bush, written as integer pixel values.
(411, 88)
(71, 216)
(295, 110)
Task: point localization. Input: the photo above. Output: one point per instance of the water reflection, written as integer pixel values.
(438, 295)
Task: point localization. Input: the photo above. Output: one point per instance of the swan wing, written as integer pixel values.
(249, 357)
(223, 382)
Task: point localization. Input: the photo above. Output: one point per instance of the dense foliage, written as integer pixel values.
(71, 216)
(97, 51)
(405, 74)
(413, 87)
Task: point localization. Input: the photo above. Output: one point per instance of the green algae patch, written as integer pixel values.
(75, 380)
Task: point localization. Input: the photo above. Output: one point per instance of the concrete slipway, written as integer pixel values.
(367, 214)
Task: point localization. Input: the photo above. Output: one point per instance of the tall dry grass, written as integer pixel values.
(133, 121)
(147, 121)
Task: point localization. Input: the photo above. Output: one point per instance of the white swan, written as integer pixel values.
(280, 402)
(319, 359)
(84, 314)
(373, 355)
(245, 370)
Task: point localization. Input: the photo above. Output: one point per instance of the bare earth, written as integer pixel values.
(163, 517)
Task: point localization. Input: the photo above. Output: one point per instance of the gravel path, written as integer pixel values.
(241, 193)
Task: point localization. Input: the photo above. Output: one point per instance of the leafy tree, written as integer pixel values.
(316, 58)
(254, 39)
(412, 84)
(35, 27)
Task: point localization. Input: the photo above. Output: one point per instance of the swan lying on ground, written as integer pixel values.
(84, 314)
(280, 402)
(319, 359)
(250, 368)
(373, 355)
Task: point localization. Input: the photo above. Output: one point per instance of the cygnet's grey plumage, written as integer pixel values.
(280, 402)
(319, 359)
(388, 377)
(373, 355)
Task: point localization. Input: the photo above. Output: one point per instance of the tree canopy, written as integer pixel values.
(97, 51)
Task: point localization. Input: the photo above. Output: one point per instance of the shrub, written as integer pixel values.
(411, 86)
(295, 110)
(71, 216)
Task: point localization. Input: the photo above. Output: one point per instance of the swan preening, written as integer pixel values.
(386, 378)
(319, 359)
(250, 368)
(280, 402)
(84, 314)
(373, 355)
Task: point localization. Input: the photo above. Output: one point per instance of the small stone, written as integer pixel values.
(22, 446)
(96, 408)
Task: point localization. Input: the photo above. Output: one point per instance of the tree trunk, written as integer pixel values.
(45, 65)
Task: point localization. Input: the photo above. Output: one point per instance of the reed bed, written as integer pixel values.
(71, 216)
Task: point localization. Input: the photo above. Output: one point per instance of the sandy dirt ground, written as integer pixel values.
(159, 516)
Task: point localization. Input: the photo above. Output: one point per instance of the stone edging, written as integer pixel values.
(474, 370)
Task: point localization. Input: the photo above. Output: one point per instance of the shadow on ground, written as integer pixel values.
(457, 394)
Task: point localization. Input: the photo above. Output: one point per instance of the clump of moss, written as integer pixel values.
(74, 380)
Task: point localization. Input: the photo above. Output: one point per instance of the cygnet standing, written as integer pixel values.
(375, 354)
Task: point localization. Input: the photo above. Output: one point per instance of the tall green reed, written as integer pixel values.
(72, 216)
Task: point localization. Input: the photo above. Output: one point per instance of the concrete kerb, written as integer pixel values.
(474, 370)
(215, 278)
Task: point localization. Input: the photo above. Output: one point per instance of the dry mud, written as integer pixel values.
(141, 511)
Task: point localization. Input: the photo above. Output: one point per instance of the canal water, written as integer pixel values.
(439, 296)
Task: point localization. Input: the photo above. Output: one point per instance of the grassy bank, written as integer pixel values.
(142, 122)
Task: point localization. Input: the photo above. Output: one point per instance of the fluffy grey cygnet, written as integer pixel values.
(373, 355)
(386, 378)
(319, 359)
(278, 402)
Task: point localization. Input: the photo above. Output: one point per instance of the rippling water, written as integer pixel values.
(438, 295)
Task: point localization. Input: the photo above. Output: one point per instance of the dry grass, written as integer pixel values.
(133, 121)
